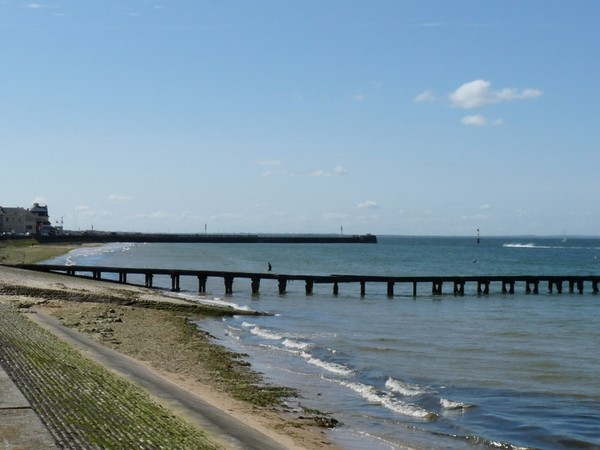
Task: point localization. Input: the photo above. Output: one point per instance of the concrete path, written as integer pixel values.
(231, 432)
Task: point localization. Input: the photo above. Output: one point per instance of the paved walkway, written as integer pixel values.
(233, 433)
(20, 427)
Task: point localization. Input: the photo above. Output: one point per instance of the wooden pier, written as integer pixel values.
(531, 284)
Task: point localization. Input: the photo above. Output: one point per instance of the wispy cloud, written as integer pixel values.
(116, 198)
(34, 6)
(337, 171)
(86, 211)
(478, 93)
(318, 173)
(283, 173)
(368, 204)
(426, 96)
(478, 120)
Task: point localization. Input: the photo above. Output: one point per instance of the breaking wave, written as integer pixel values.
(373, 395)
(449, 404)
(406, 389)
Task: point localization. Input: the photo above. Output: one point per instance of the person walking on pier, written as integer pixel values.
(269, 267)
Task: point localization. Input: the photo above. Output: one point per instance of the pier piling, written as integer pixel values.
(483, 287)
(390, 289)
(508, 286)
(255, 285)
(309, 286)
(228, 280)
(282, 285)
(175, 282)
(459, 288)
(202, 284)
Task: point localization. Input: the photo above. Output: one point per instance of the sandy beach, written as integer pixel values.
(166, 342)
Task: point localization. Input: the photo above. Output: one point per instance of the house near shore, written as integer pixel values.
(21, 221)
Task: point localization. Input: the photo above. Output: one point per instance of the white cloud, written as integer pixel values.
(369, 204)
(425, 96)
(337, 171)
(478, 217)
(86, 211)
(476, 120)
(116, 198)
(486, 206)
(34, 6)
(359, 97)
(478, 93)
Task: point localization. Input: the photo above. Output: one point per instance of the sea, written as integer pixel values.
(497, 371)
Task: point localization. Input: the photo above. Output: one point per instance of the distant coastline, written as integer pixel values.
(87, 237)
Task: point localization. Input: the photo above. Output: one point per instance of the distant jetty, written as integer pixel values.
(105, 237)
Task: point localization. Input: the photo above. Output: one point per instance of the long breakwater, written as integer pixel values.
(215, 238)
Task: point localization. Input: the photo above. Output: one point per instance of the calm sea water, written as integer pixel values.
(495, 371)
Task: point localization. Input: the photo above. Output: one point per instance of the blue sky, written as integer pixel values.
(388, 117)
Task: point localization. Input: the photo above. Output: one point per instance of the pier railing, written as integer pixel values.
(455, 284)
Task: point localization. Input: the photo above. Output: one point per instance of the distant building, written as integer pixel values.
(21, 221)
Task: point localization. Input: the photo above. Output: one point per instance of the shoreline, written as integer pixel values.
(29, 251)
(291, 428)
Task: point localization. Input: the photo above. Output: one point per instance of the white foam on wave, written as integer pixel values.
(291, 343)
(216, 301)
(449, 404)
(75, 256)
(517, 245)
(371, 394)
(338, 369)
(529, 245)
(265, 334)
(406, 389)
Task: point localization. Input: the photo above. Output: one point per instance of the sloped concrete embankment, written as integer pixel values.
(82, 404)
